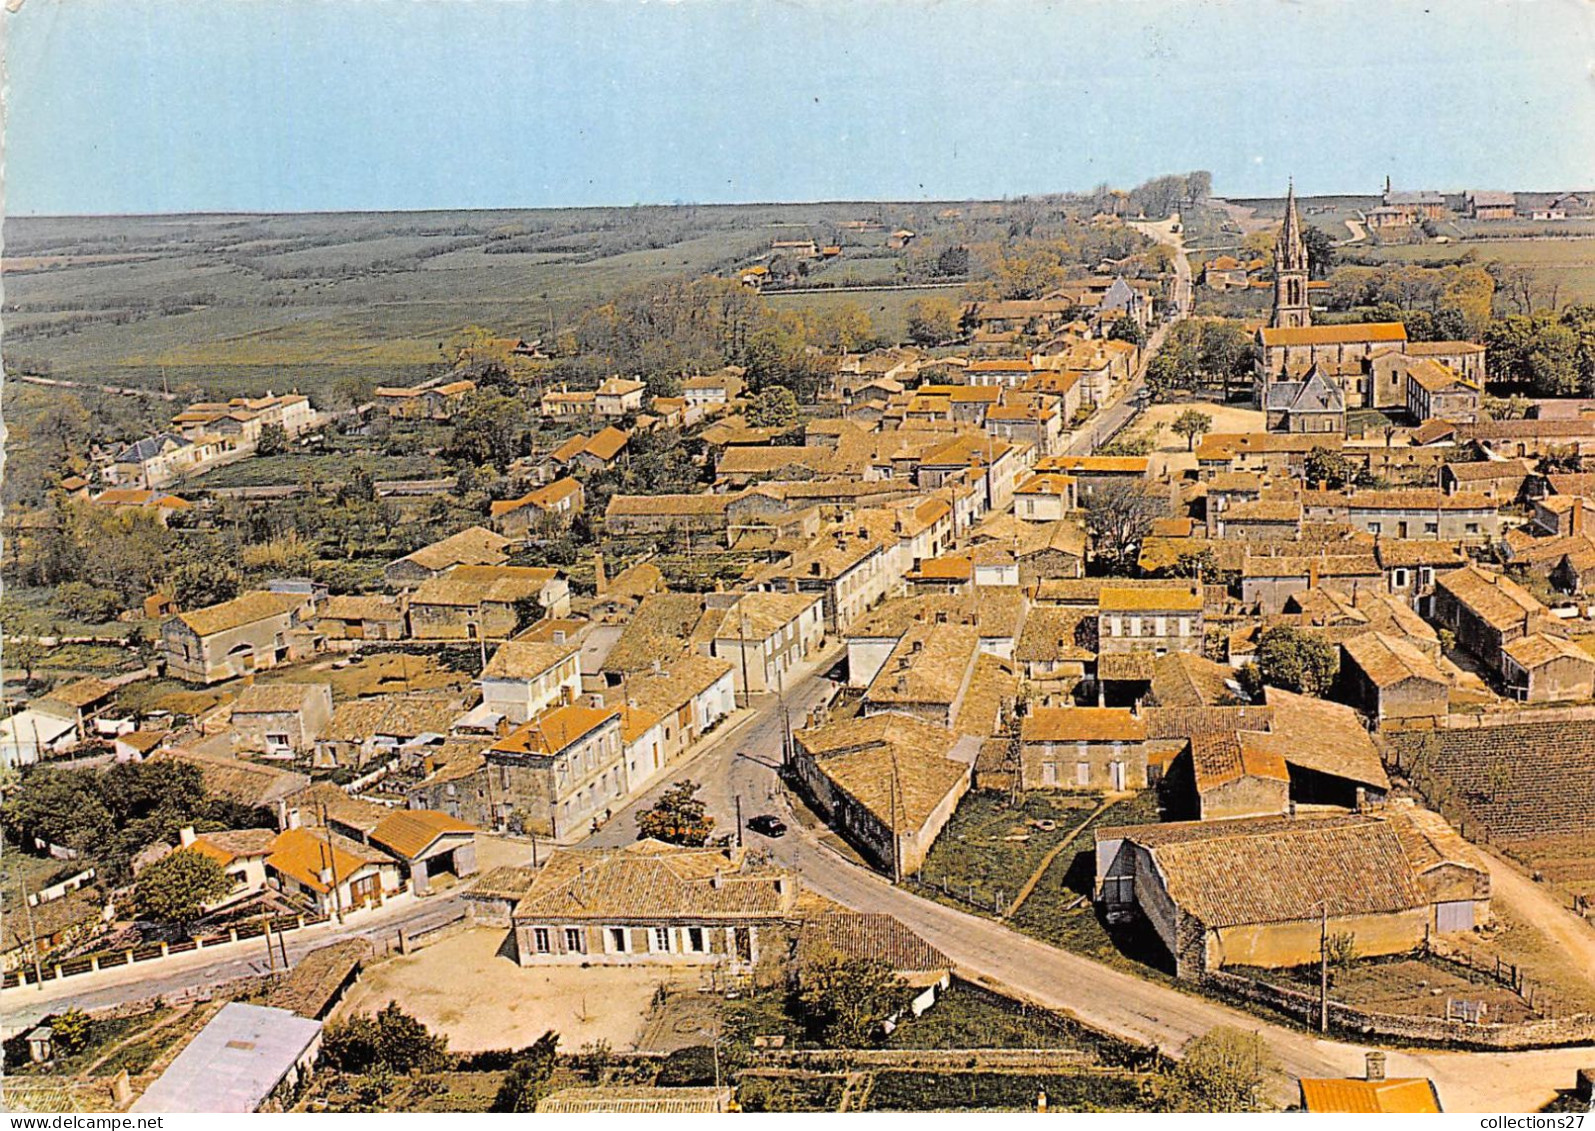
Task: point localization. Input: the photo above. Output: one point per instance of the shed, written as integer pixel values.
(245, 1057)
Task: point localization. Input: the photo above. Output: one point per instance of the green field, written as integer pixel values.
(1567, 265)
(887, 310)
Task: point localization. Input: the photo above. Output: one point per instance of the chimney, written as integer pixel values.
(1577, 517)
(1376, 1066)
(325, 876)
(185, 836)
(600, 582)
(1312, 574)
(781, 885)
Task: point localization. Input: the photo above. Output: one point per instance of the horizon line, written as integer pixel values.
(813, 202)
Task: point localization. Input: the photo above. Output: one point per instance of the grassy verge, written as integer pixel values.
(1006, 1091)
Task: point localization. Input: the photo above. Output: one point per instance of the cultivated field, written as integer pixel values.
(1565, 263)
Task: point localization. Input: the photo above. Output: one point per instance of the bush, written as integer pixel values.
(691, 1067)
(88, 603)
(387, 1041)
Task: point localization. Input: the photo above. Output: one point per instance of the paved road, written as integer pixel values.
(1151, 1012)
(1117, 414)
(23, 1006)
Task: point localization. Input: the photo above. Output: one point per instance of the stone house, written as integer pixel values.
(351, 616)
(524, 678)
(666, 710)
(332, 872)
(1260, 891)
(1045, 497)
(1082, 748)
(480, 602)
(515, 518)
(242, 854)
(253, 631)
(80, 702)
(1389, 680)
(666, 514)
(555, 775)
(1487, 612)
(1156, 620)
(1544, 668)
(618, 396)
(888, 783)
(281, 718)
(927, 674)
(653, 904)
(766, 635)
(1437, 392)
(473, 546)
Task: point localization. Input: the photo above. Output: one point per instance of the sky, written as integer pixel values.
(135, 106)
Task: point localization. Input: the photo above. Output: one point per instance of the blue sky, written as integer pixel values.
(274, 105)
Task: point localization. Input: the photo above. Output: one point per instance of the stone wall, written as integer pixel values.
(1548, 1032)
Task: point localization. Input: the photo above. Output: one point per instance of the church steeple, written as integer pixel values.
(1290, 269)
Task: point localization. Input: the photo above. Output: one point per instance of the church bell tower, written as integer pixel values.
(1290, 270)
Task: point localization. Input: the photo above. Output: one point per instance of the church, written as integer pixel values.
(1308, 376)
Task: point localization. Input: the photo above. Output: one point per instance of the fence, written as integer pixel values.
(1545, 1032)
(26, 975)
(996, 902)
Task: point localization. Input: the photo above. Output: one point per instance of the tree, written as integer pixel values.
(1340, 950)
(1191, 424)
(527, 1081)
(1320, 252)
(1226, 352)
(91, 604)
(1225, 1070)
(177, 887)
(932, 321)
(1127, 329)
(206, 581)
(273, 440)
(1118, 517)
(678, 818)
(774, 407)
(528, 611)
(70, 1031)
(487, 430)
(1329, 467)
(23, 654)
(843, 1002)
(388, 1041)
(1298, 661)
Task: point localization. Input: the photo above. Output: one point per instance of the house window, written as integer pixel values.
(1426, 575)
(575, 940)
(1401, 578)
(697, 942)
(662, 939)
(1472, 528)
(1118, 889)
(617, 940)
(277, 739)
(1082, 773)
(1049, 773)
(540, 941)
(1431, 528)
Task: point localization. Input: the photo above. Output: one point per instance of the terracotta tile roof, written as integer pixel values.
(1389, 660)
(1099, 465)
(408, 833)
(304, 854)
(350, 606)
(475, 545)
(509, 882)
(246, 609)
(1324, 737)
(996, 612)
(1539, 649)
(469, 586)
(1344, 333)
(82, 693)
(877, 936)
(395, 716)
(314, 984)
(1082, 724)
(1410, 552)
(1057, 632)
(570, 449)
(929, 665)
(1163, 723)
(554, 730)
(1292, 867)
(607, 444)
(247, 783)
(696, 505)
(526, 660)
(1180, 679)
(659, 629)
(274, 698)
(1046, 483)
(1414, 1096)
(1113, 599)
(1220, 758)
(1497, 600)
(651, 882)
(233, 844)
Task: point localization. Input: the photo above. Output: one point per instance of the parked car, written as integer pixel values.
(767, 824)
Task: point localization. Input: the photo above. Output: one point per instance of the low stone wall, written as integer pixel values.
(935, 1059)
(1546, 1032)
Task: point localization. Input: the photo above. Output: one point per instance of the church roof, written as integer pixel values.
(1346, 333)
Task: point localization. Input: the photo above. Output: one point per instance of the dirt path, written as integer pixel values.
(1568, 935)
(1046, 861)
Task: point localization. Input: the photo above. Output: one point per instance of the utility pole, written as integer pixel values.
(33, 941)
(897, 841)
(1323, 968)
(738, 799)
(786, 717)
(332, 862)
(742, 647)
(271, 956)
